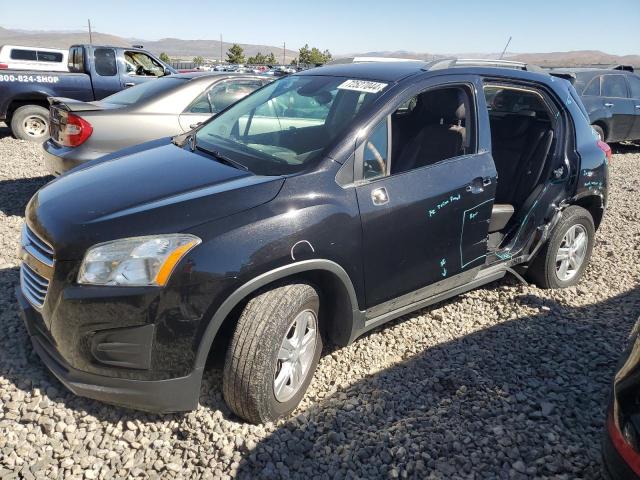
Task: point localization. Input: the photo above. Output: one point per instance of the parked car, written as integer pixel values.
(621, 444)
(82, 131)
(612, 99)
(321, 206)
(18, 57)
(94, 73)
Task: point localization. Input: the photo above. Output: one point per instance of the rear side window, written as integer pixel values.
(18, 54)
(105, 62)
(221, 95)
(634, 84)
(614, 86)
(145, 91)
(593, 88)
(55, 57)
(76, 59)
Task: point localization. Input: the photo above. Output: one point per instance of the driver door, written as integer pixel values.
(139, 68)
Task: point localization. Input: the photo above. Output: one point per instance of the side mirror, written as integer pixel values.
(167, 71)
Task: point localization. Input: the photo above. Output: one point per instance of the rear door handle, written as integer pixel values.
(608, 105)
(477, 184)
(129, 84)
(638, 107)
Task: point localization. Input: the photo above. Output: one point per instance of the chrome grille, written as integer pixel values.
(34, 286)
(37, 247)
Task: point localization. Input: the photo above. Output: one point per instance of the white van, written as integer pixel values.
(33, 58)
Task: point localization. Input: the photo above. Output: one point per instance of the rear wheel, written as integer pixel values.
(273, 353)
(30, 122)
(563, 259)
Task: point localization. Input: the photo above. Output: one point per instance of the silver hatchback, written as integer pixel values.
(172, 105)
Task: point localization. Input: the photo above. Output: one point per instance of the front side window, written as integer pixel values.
(289, 123)
(614, 86)
(138, 63)
(221, 95)
(105, 62)
(374, 156)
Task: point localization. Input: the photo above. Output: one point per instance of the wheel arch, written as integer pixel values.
(604, 126)
(594, 204)
(340, 316)
(40, 99)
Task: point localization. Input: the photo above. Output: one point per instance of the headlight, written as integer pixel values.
(135, 261)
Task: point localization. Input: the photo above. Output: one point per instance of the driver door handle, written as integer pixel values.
(129, 84)
(379, 196)
(608, 105)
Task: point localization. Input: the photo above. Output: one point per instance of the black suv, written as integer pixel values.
(321, 206)
(612, 99)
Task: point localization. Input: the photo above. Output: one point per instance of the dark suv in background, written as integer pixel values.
(612, 99)
(315, 209)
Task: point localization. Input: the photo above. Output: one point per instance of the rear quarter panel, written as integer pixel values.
(27, 85)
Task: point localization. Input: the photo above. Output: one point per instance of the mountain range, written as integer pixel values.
(210, 49)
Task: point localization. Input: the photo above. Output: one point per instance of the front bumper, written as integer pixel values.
(613, 465)
(158, 396)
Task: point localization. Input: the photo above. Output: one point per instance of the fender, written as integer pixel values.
(268, 277)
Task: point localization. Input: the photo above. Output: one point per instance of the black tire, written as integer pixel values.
(30, 122)
(251, 362)
(599, 131)
(542, 270)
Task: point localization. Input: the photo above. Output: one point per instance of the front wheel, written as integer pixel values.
(273, 353)
(564, 258)
(30, 122)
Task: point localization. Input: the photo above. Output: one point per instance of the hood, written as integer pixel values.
(163, 189)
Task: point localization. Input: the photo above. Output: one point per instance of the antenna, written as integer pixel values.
(90, 36)
(505, 48)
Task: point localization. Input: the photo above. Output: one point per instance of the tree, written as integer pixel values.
(270, 59)
(235, 54)
(165, 58)
(313, 56)
(198, 60)
(259, 59)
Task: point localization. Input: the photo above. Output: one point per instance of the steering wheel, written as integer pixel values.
(140, 70)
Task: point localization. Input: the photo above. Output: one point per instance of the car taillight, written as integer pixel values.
(605, 148)
(626, 451)
(75, 131)
(3, 66)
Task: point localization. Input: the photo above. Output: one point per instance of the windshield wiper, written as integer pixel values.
(219, 156)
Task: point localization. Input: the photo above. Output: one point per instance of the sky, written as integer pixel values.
(349, 26)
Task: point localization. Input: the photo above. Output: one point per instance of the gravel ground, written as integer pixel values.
(507, 381)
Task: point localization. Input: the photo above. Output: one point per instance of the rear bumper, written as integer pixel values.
(59, 159)
(157, 396)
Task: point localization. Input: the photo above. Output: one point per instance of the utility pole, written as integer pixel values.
(220, 48)
(284, 53)
(90, 36)
(505, 48)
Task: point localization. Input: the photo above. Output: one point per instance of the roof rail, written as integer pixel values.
(362, 59)
(625, 68)
(483, 62)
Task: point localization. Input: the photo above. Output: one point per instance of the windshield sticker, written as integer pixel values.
(362, 86)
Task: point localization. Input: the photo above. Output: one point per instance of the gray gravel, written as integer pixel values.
(508, 381)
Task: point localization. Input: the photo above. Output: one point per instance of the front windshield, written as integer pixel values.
(289, 123)
(144, 91)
